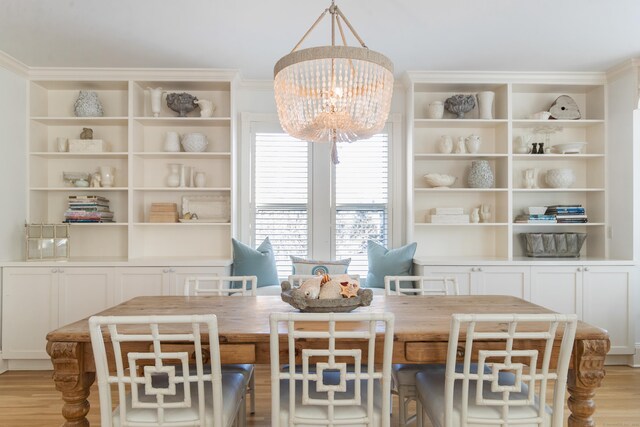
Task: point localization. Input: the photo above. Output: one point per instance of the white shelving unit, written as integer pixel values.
(135, 140)
(517, 96)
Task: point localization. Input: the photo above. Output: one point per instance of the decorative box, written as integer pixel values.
(87, 146)
(46, 242)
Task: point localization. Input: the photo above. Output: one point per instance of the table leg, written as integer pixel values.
(586, 375)
(71, 379)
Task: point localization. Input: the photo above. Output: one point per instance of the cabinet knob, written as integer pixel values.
(479, 269)
(586, 269)
(54, 270)
(172, 270)
(60, 270)
(165, 270)
(579, 269)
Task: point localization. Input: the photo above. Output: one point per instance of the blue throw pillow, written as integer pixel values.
(260, 262)
(385, 262)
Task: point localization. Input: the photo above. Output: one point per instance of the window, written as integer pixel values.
(310, 208)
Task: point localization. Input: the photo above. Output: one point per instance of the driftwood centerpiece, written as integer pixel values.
(297, 299)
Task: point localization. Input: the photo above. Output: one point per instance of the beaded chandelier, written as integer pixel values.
(333, 93)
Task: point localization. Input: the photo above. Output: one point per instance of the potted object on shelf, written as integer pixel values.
(480, 175)
(435, 110)
(194, 142)
(156, 100)
(182, 103)
(88, 104)
(460, 104)
(445, 144)
(206, 107)
(565, 108)
(560, 178)
(472, 143)
(485, 104)
(172, 142)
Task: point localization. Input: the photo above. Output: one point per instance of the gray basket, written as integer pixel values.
(553, 245)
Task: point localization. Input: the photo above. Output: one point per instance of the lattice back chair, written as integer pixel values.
(220, 285)
(508, 383)
(337, 384)
(228, 285)
(404, 375)
(421, 285)
(149, 390)
(298, 279)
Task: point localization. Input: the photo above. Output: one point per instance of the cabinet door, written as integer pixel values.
(608, 304)
(501, 280)
(29, 311)
(181, 273)
(84, 292)
(134, 282)
(461, 273)
(558, 288)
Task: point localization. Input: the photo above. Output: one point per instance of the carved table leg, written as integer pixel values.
(586, 375)
(71, 380)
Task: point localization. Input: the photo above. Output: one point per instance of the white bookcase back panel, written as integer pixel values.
(182, 240)
(529, 99)
(217, 92)
(98, 240)
(588, 173)
(143, 199)
(426, 201)
(426, 93)
(154, 173)
(43, 137)
(427, 138)
(57, 98)
(460, 169)
(459, 241)
(151, 138)
(50, 206)
(48, 173)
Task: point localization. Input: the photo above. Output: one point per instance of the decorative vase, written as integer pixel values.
(172, 142)
(206, 107)
(445, 145)
(181, 103)
(156, 100)
(62, 144)
(200, 179)
(460, 104)
(88, 104)
(107, 177)
(485, 104)
(472, 142)
(480, 175)
(485, 213)
(460, 148)
(435, 110)
(185, 176)
(475, 216)
(530, 177)
(173, 180)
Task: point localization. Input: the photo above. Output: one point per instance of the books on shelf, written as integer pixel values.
(88, 208)
(559, 214)
(536, 219)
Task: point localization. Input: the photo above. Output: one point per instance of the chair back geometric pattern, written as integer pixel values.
(298, 279)
(220, 285)
(358, 374)
(420, 285)
(150, 376)
(528, 366)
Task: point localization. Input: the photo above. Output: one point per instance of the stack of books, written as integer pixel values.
(449, 216)
(88, 209)
(536, 219)
(568, 214)
(163, 212)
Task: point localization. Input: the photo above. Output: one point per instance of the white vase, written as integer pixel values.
(485, 104)
(172, 142)
(173, 180)
(435, 110)
(472, 142)
(480, 175)
(475, 216)
(107, 176)
(200, 179)
(460, 148)
(445, 145)
(62, 144)
(156, 100)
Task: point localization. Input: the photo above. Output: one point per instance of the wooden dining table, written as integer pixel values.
(420, 336)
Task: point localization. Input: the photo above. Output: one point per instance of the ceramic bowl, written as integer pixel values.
(194, 142)
(540, 115)
(570, 147)
(560, 178)
(535, 210)
(438, 180)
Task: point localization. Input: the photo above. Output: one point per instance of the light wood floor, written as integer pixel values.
(29, 399)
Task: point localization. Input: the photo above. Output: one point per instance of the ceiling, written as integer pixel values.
(251, 35)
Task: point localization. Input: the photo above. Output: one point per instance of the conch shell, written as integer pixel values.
(311, 288)
(331, 290)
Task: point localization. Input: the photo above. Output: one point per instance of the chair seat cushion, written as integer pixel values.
(317, 412)
(233, 389)
(430, 385)
(245, 369)
(405, 373)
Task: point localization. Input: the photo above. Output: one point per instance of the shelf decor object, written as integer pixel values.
(460, 104)
(46, 242)
(553, 245)
(333, 93)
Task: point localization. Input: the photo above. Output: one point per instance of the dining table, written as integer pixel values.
(421, 334)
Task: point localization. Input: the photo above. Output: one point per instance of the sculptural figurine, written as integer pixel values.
(182, 103)
(95, 180)
(87, 133)
(206, 107)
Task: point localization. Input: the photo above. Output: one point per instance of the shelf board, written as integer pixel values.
(556, 156)
(182, 189)
(466, 156)
(470, 224)
(66, 155)
(458, 123)
(186, 224)
(525, 123)
(81, 121)
(555, 224)
(184, 121)
(101, 224)
(73, 189)
(460, 190)
(557, 190)
(181, 155)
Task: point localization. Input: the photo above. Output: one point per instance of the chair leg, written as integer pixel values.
(252, 393)
(419, 414)
(242, 415)
(402, 407)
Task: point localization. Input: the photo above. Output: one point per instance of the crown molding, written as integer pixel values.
(73, 73)
(489, 77)
(627, 65)
(12, 64)
(256, 84)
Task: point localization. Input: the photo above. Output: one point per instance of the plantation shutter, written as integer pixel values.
(281, 196)
(361, 199)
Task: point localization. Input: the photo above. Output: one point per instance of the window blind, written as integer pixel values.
(361, 199)
(281, 196)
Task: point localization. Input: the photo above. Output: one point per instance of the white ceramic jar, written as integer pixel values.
(194, 142)
(560, 178)
(435, 110)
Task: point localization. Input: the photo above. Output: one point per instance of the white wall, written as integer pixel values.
(13, 112)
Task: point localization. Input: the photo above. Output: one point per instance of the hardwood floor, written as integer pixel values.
(29, 399)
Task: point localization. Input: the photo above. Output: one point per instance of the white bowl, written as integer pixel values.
(194, 142)
(438, 180)
(560, 178)
(535, 210)
(570, 147)
(540, 115)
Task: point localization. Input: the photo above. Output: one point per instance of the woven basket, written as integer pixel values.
(553, 245)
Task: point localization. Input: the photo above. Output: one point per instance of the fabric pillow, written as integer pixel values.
(385, 262)
(310, 267)
(260, 262)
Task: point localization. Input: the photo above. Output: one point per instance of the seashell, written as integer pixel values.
(349, 289)
(325, 279)
(331, 290)
(311, 288)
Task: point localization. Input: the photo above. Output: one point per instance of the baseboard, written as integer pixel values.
(29, 365)
(636, 357)
(4, 365)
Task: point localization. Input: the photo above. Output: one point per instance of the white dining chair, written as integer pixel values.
(298, 279)
(507, 384)
(404, 374)
(149, 390)
(331, 385)
(228, 285)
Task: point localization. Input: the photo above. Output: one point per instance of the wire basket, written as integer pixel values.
(553, 245)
